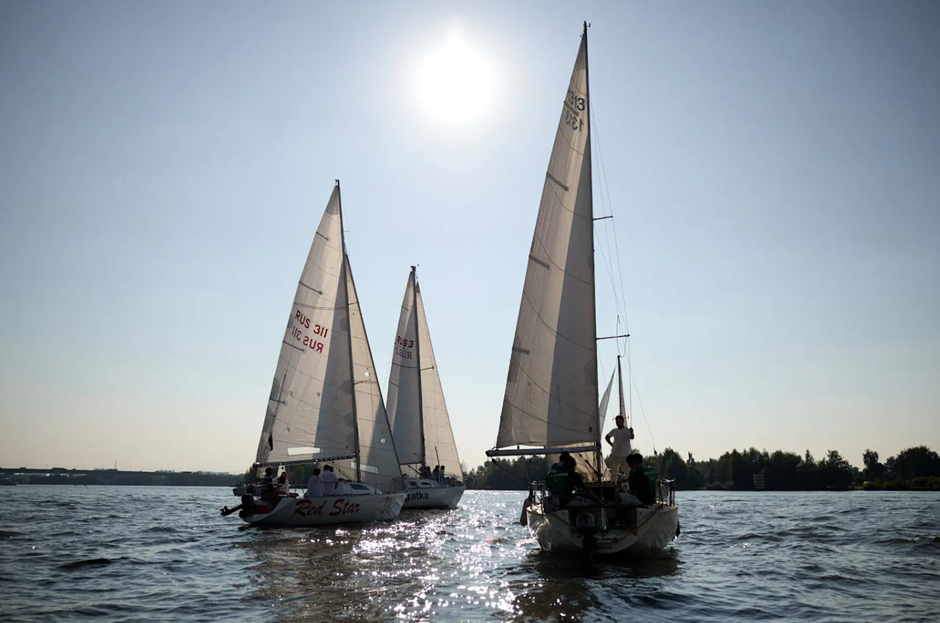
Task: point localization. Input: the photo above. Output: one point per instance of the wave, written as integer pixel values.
(81, 564)
(162, 529)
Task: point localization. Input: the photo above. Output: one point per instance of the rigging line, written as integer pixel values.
(620, 306)
(603, 171)
(642, 410)
(610, 274)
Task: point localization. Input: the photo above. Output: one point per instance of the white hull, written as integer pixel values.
(436, 496)
(554, 530)
(329, 510)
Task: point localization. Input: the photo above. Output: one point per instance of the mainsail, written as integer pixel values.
(421, 425)
(325, 404)
(551, 399)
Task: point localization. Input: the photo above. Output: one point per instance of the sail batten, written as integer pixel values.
(551, 398)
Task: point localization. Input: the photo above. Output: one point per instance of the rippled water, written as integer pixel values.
(164, 554)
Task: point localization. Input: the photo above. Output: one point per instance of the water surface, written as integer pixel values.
(164, 554)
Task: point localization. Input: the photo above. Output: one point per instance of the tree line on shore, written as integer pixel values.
(913, 468)
(139, 479)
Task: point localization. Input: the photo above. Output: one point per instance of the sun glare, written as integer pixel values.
(455, 82)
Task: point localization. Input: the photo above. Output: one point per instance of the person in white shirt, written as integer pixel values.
(329, 480)
(314, 485)
(620, 448)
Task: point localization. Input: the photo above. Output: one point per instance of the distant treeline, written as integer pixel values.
(914, 468)
(140, 479)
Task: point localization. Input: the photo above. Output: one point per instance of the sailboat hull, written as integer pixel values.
(429, 494)
(556, 532)
(328, 510)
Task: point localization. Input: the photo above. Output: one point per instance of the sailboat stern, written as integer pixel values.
(581, 526)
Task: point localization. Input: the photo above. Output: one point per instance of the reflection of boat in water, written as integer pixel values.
(571, 585)
(325, 403)
(418, 413)
(551, 400)
(6, 482)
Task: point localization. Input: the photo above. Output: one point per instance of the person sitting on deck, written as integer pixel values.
(269, 489)
(564, 481)
(314, 485)
(283, 486)
(329, 480)
(639, 481)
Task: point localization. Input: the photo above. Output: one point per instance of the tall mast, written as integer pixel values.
(414, 306)
(590, 181)
(623, 410)
(352, 370)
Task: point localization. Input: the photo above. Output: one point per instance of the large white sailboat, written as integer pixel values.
(325, 405)
(418, 413)
(551, 400)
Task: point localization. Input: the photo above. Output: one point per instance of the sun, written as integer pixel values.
(455, 83)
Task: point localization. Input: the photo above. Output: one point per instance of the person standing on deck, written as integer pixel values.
(620, 448)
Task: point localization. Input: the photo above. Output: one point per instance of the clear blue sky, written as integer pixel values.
(773, 168)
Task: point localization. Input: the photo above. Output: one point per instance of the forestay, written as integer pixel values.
(439, 444)
(379, 461)
(551, 398)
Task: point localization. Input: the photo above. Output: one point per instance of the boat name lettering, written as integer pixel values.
(417, 496)
(305, 508)
(342, 507)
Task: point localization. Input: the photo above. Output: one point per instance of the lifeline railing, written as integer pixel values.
(666, 492)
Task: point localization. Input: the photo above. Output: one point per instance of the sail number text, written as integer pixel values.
(310, 342)
(403, 347)
(572, 119)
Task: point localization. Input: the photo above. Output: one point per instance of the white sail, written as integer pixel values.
(551, 396)
(439, 445)
(586, 462)
(404, 394)
(310, 409)
(602, 412)
(378, 459)
(325, 403)
(417, 410)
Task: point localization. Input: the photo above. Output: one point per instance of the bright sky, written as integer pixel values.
(773, 169)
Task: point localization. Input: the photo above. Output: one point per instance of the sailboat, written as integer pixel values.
(418, 413)
(551, 400)
(325, 404)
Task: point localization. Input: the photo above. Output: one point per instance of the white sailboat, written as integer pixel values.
(551, 400)
(418, 413)
(325, 404)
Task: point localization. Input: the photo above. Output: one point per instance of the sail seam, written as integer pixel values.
(553, 332)
(559, 267)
